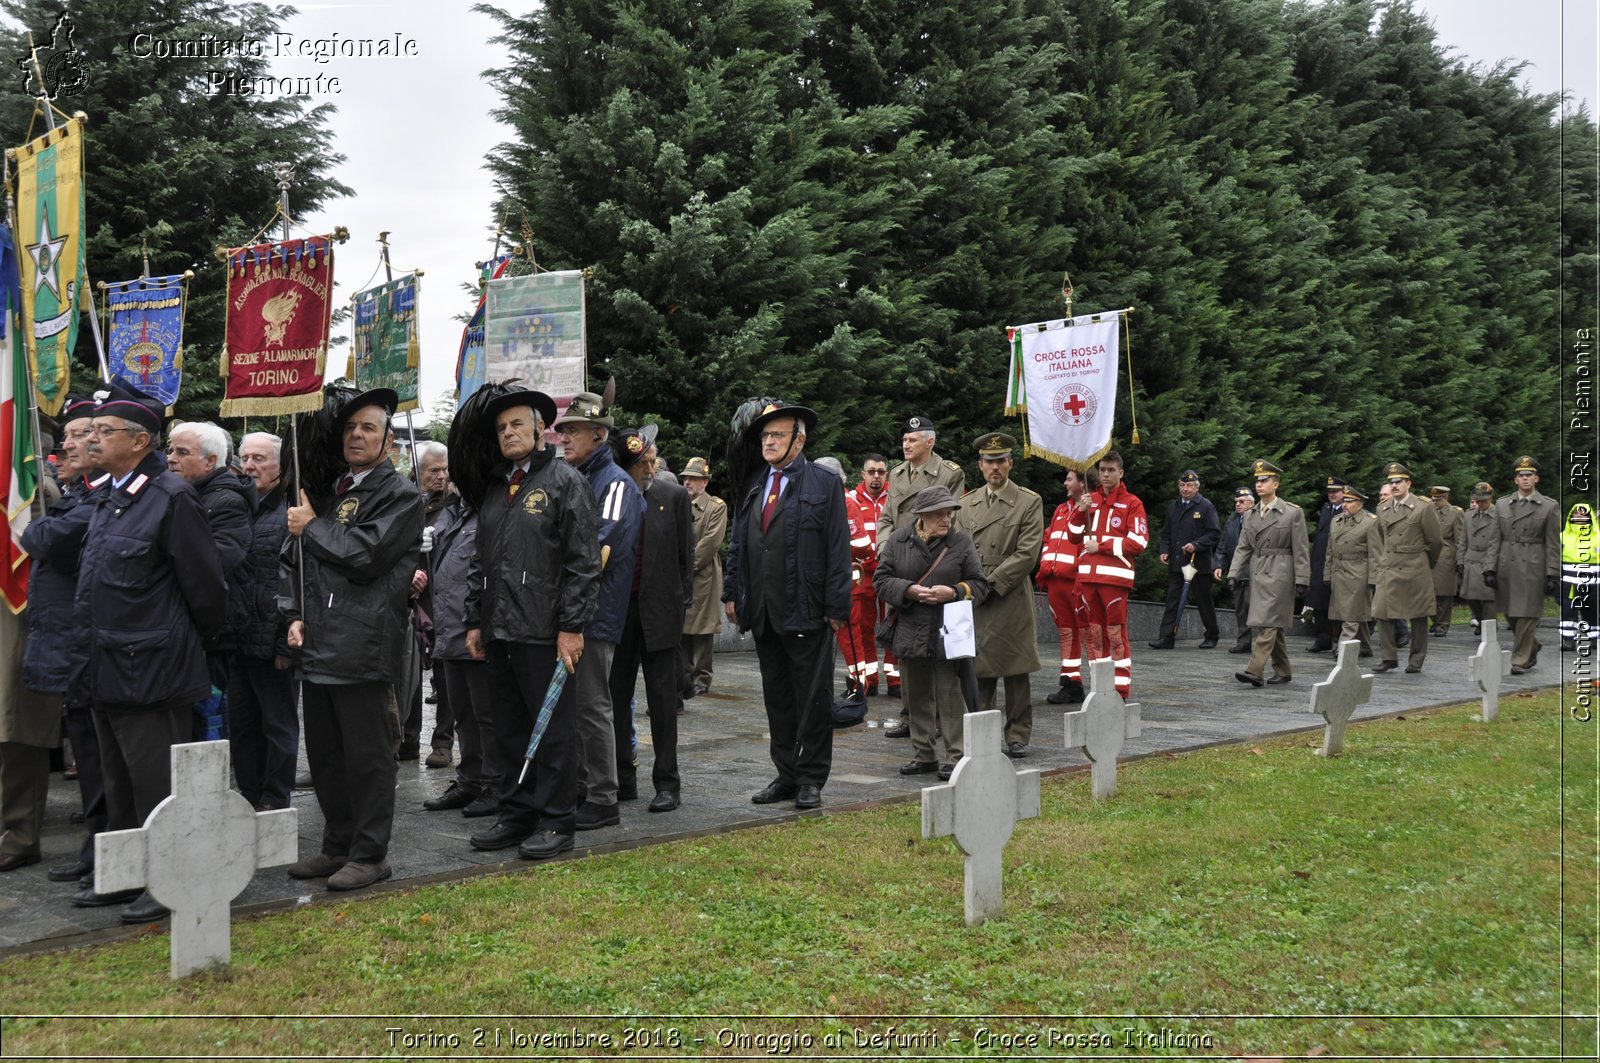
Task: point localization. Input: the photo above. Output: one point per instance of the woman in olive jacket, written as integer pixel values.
(918, 588)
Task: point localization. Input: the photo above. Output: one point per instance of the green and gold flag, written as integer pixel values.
(49, 196)
(385, 350)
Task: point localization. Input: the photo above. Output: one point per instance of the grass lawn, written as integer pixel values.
(1416, 896)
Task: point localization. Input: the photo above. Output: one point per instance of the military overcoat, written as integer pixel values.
(710, 528)
(1453, 530)
(905, 483)
(1411, 544)
(1275, 553)
(1351, 565)
(1530, 552)
(1481, 555)
(1008, 531)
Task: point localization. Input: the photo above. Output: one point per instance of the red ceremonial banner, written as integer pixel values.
(277, 327)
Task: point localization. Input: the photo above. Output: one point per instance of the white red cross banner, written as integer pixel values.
(1064, 378)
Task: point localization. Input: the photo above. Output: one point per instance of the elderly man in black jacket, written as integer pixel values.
(662, 591)
(263, 725)
(360, 545)
(1188, 537)
(149, 584)
(788, 582)
(532, 588)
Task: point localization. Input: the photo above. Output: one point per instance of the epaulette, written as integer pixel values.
(137, 485)
(951, 465)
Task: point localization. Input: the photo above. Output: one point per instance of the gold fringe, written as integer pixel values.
(266, 406)
(1031, 451)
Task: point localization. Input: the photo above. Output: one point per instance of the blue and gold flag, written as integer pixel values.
(385, 350)
(49, 231)
(146, 334)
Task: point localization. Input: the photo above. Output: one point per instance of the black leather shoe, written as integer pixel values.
(485, 804)
(88, 898)
(409, 751)
(1403, 642)
(1016, 750)
(500, 836)
(457, 796)
(145, 910)
(1239, 647)
(664, 801)
(1320, 647)
(899, 730)
(774, 792)
(1517, 669)
(592, 816)
(628, 793)
(1277, 681)
(1413, 669)
(1248, 677)
(945, 771)
(1364, 653)
(543, 844)
(918, 767)
(1061, 695)
(894, 690)
(1162, 644)
(70, 872)
(809, 796)
(12, 861)
(1386, 666)
(1207, 643)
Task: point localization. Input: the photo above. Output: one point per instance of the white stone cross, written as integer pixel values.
(1337, 696)
(1487, 666)
(1101, 726)
(980, 806)
(197, 851)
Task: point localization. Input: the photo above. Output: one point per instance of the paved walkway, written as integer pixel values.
(1189, 698)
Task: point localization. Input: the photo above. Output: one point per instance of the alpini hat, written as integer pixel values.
(631, 444)
(1395, 471)
(1482, 490)
(696, 468)
(995, 445)
(586, 408)
(1263, 467)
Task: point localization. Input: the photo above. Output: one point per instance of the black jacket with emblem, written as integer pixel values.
(230, 502)
(536, 570)
(55, 545)
(359, 560)
(149, 583)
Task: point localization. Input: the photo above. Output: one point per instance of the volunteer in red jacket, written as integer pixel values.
(1058, 578)
(862, 506)
(1111, 529)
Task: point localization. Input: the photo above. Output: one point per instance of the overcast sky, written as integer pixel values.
(416, 131)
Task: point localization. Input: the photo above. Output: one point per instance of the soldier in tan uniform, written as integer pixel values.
(922, 468)
(1350, 569)
(1447, 570)
(704, 619)
(1006, 523)
(1276, 553)
(1411, 545)
(1529, 564)
(1482, 553)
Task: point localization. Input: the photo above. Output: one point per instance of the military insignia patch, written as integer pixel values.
(535, 501)
(347, 509)
(635, 445)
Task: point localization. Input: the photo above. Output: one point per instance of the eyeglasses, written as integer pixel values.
(102, 430)
(775, 437)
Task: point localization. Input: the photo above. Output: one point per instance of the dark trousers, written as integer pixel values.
(797, 686)
(350, 745)
(78, 723)
(136, 755)
(263, 730)
(444, 713)
(465, 685)
(663, 691)
(1241, 612)
(1199, 597)
(24, 787)
(547, 798)
(411, 726)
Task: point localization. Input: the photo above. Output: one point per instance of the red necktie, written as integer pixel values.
(516, 483)
(771, 502)
(346, 483)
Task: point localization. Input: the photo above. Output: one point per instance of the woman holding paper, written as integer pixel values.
(922, 568)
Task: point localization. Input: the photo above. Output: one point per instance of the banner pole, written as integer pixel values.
(411, 432)
(33, 387)
(285, 173)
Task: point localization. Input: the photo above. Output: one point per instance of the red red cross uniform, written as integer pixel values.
(1105, 578)
(1058, 578)
(857, 642)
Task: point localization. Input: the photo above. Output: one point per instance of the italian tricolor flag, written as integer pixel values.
(19, 466)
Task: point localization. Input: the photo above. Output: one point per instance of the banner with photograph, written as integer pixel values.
(385, 349)
(49, 231)
(1064, 377)
(278, 315)
(534, 330)
(145, 340)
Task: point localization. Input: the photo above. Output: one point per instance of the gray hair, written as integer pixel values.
(428, 450)
(833, 466)
(214, 440)
(929, 434)
(276, 441)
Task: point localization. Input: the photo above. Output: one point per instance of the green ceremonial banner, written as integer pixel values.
(385, 350)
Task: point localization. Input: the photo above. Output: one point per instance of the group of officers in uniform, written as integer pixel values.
(578, 562)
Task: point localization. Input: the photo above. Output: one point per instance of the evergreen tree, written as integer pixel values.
(169, 164)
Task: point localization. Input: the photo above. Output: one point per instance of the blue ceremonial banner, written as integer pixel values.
(472, 370)
(146, 334)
